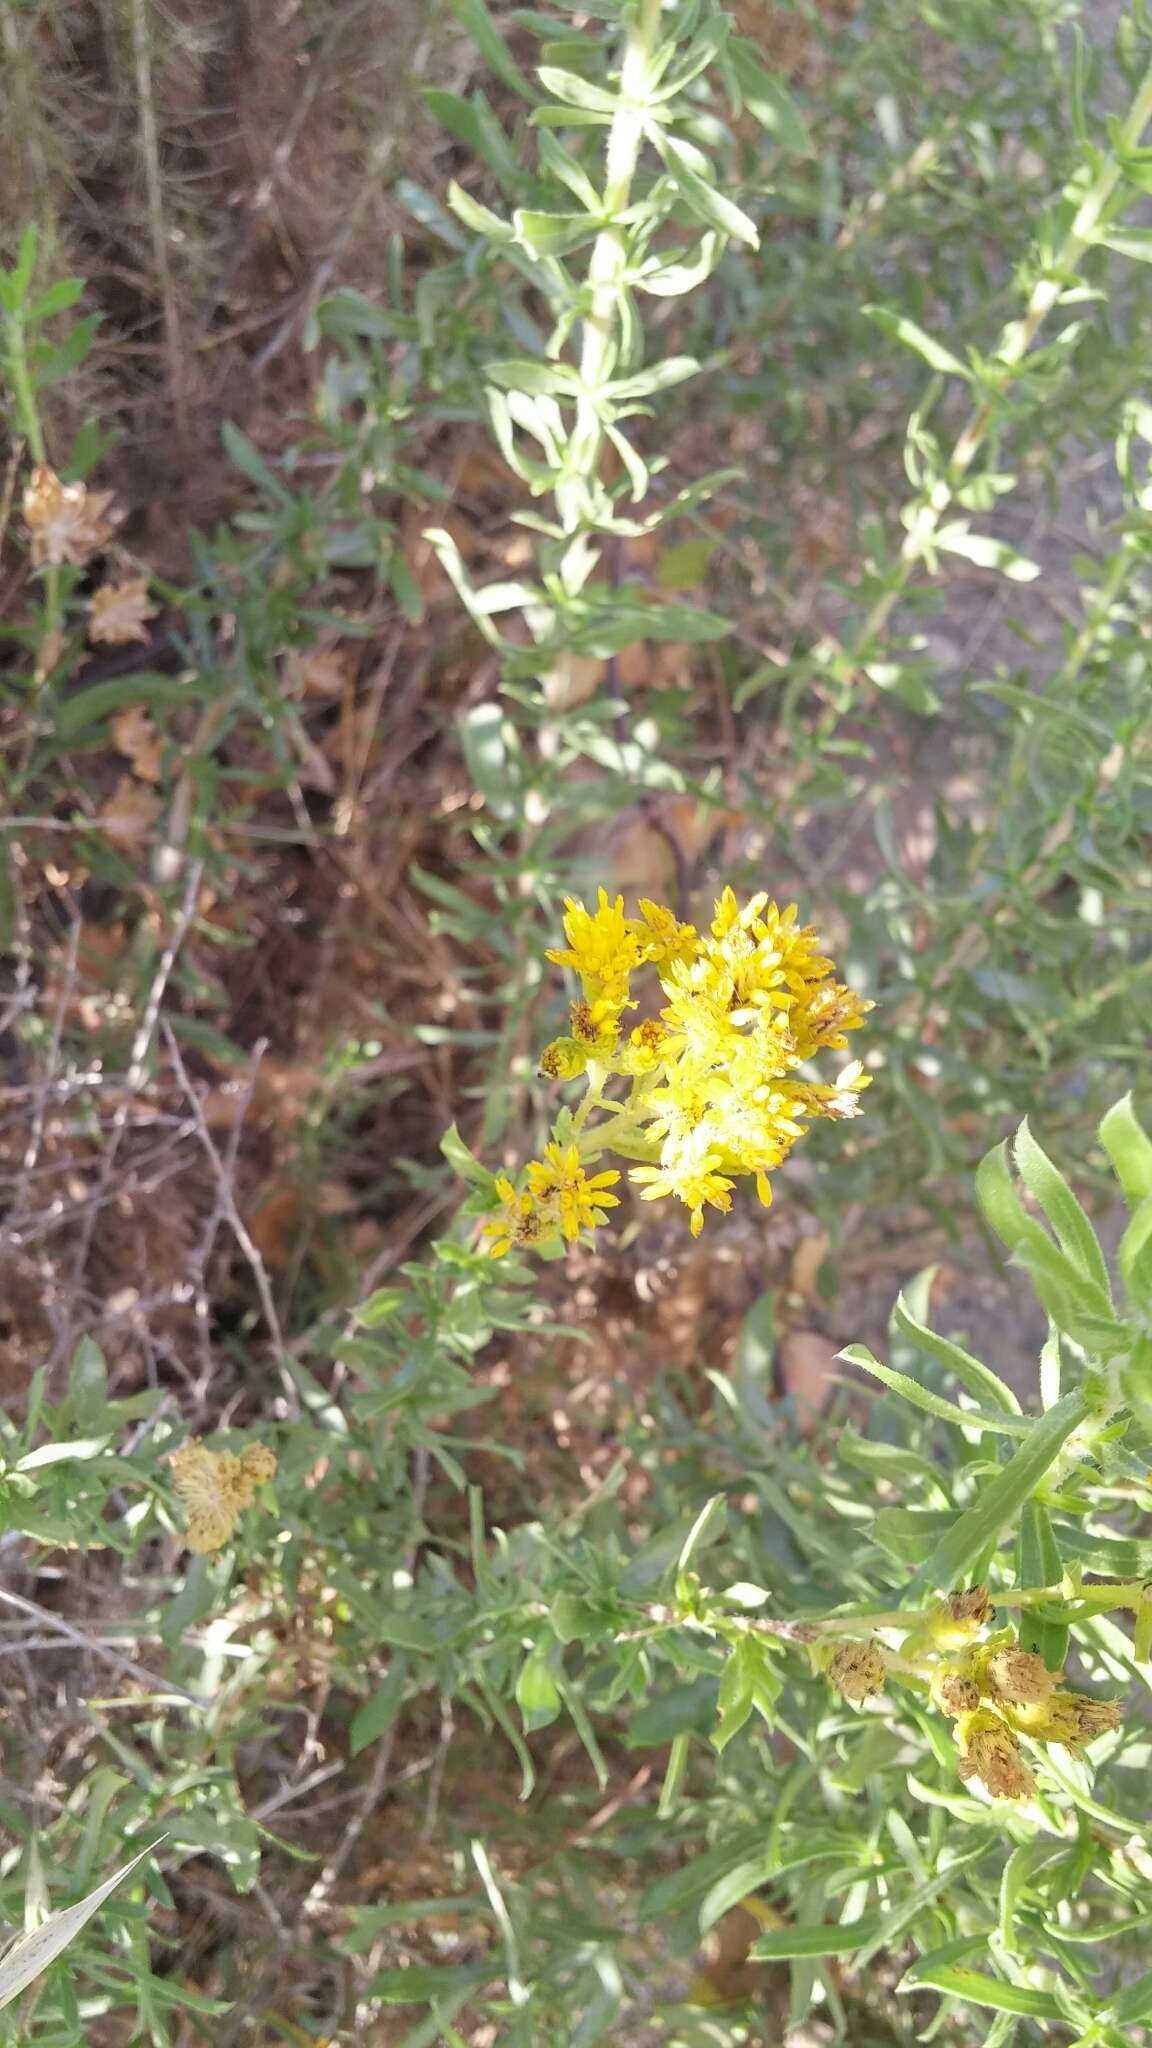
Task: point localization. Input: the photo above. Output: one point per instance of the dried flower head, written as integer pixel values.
(969, 1609)
(1016, 1675)
(955, 1694)
(215, 1487)
(989, 1751)
(858, 1671)
(66, 522)
(1073, 1719)
(959, 1619)
(117, 612)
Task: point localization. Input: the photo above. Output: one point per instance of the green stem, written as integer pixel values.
(1015, 344)
(28, 416)
(574, 490)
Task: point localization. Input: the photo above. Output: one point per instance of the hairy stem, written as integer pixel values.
(606, 269)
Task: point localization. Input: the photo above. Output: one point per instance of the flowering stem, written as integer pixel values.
(605, 280)
(1016, 341)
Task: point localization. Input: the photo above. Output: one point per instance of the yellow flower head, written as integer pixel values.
(215, 1487)
(689, 1170)
(715, 1093)
(564, 1059)
(518, 1223)
(644, 1052)
(989, 1751)
(603, 946)
(858, 1671)
(662, 937)
(596, 1026)
(560, 1186)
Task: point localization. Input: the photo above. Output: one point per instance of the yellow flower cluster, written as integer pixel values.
(215, 1487)
(714, 1092)
(993, 1690)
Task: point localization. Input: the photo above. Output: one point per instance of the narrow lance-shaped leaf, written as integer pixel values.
(933, 1404)
(1000, 1502)
(1130, 1150)
(1074, 1232)
(979, 1379)
(31, 1955)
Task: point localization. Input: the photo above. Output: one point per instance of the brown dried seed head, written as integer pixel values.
(1020, 1676)
(258, 1462)
(858, 1671)
(955, 1694)
(66, 522)
(970, 1608)
(990, 1752)
(1071, 1718)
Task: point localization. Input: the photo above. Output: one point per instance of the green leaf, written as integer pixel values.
(1074, 1233)
(31, 1954)
(378, 1713)
(573, 91)
(1001, 1499)
(95, 703)
(978, 1378)
(473, 123)
(57, 299)
(670, 280)
(251, 463)
(956, 538)
(977, 1989)
(1038, 1564)
(709, 1524)
(537, 1695)
(765, 98)
(553, 234)
(491, 44)
(905, 330)
(933, 1404)
(1130, 1150)
(694, 1880)
(703, 199)
(911, 1534)
(406, 1632)
(465, 1164)
(785, 1943)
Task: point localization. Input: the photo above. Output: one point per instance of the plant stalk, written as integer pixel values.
(1016, 341)
(606, 270)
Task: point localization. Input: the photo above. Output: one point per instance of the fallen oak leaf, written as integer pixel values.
(130, 812)
(135, 736)
(117, 612)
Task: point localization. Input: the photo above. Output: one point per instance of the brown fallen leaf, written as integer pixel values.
(807, 1362)
(807, 1259)
(67, 522)
(130, 812)
(135, 736)
(323, 672)
(117, 612)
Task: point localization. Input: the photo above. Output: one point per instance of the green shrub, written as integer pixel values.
(886, 1678)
